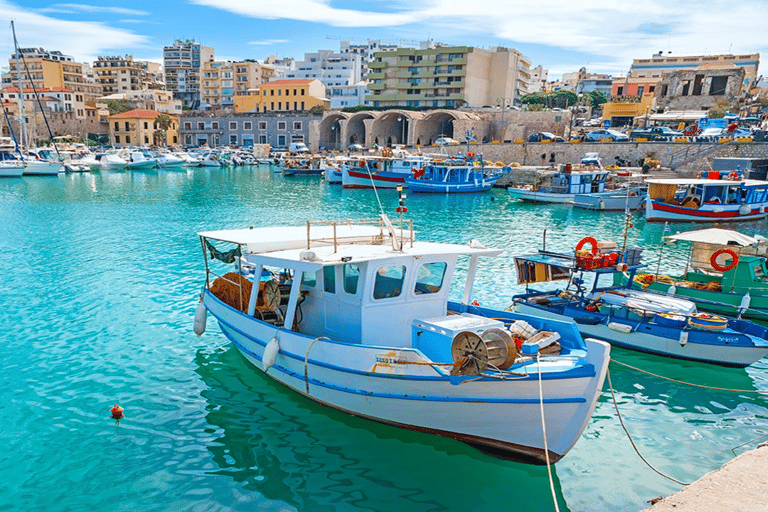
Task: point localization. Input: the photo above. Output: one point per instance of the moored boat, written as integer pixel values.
(562, 186)
(725, 274)
(706, 200)
(449, 178)
(355, 315)
(630, 318)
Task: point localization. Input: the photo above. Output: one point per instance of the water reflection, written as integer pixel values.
(285, 448)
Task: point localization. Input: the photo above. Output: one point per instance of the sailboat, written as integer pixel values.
(34, 165)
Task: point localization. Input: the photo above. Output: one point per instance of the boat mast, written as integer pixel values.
(23, 118)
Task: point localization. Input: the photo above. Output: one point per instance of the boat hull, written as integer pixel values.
(656, 211)
(538, 196)
(360, 178)
(612, 203)
(43, 168)
(11, 171)
(500, 416)
(695, 348)
(419, 185)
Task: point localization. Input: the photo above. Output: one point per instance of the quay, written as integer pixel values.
(739, 485)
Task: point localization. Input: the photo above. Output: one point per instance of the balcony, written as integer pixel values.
(376, 87)
(377, 65)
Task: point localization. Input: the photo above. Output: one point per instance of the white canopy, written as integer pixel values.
(716, 236)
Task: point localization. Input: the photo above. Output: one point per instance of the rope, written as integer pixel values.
(616, 405)
(306, 361)
(544, 431)
(690, 383)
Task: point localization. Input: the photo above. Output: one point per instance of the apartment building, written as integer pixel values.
(140, 127)
(283, 96)
(223, 80)
(52, 70)
(367, 51)
(182, 62)
(658, 64)
(448, 76)
(118, 74)
(334, 70)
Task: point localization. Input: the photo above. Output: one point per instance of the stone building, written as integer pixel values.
(699, 88)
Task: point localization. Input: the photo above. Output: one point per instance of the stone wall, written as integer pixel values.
(669, 154)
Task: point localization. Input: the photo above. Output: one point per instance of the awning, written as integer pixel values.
(676, 115)
(715, 236)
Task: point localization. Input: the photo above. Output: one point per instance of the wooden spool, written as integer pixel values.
(472, 354)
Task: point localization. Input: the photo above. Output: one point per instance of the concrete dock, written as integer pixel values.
(740, 485)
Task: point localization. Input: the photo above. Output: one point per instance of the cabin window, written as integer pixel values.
(308, 279)
(389, 282)
(430, 278)
(329, 279)
(351, 277)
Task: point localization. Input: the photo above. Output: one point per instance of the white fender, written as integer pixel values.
(745, 301)
(201, 313)
(270, 353)
(745, 209)
(672, 290)
(683, 338)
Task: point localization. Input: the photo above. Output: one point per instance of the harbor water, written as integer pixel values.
(101, 276)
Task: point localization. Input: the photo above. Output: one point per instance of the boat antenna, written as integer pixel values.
(40, 105)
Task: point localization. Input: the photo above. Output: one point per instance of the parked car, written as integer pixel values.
(445, 141)
(656, 133)
(355, 147)
(711, 134)
(598, 135)
(540, 136)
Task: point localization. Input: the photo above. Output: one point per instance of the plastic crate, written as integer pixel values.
(631, 256)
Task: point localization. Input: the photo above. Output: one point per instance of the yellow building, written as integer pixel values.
(624, 113)
(283, 96)
(53, 70)
(139, 127)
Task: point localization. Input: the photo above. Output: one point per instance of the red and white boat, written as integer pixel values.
(706, 200)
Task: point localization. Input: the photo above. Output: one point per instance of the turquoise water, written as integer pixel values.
(101, 273)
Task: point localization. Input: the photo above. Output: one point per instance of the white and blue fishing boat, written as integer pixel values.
(562, 186)
(355, 315)
(305, 166)
(453, 177)
(630, 318)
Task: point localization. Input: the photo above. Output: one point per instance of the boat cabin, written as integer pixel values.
(351, 283)
(569, 181)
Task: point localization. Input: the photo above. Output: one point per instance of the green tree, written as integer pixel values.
(118, 106)
(596, 98)
(317, 110)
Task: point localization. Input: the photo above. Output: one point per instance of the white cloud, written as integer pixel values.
(72, 8)
(613, 32)
(82, 40)
(268, 42)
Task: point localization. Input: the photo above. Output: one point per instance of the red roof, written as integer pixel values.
(283, 83)
(39, 89)
(138, 113)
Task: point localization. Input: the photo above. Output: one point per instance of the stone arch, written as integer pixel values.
(331, 131)
(357, 131)
(448, 123)
(396, 126)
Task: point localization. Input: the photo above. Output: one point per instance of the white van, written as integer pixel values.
(298, 147)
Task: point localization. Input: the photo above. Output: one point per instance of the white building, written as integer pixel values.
(333, 70)
(539, 77)
(182, 62)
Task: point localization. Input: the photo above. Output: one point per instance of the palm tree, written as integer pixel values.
(162, 123)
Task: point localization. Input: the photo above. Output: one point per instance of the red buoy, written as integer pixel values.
(117, 412)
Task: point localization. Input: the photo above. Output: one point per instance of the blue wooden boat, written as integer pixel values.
(630, 318)
(449, 178)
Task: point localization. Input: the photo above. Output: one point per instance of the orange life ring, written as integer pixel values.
(587, 240)
(720, 268)
(470, 155)
(733, 176)
(700, 175)
(418, 173)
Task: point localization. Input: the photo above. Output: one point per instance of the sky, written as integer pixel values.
(604, 36)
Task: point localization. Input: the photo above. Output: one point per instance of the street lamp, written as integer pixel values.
(503, 102)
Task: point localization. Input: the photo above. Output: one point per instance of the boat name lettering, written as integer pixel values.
(380, 358)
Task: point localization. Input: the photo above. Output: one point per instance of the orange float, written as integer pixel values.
(720, 268)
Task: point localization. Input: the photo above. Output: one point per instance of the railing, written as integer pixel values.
(389, 229)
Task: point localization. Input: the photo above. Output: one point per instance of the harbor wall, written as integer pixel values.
(671, 155)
